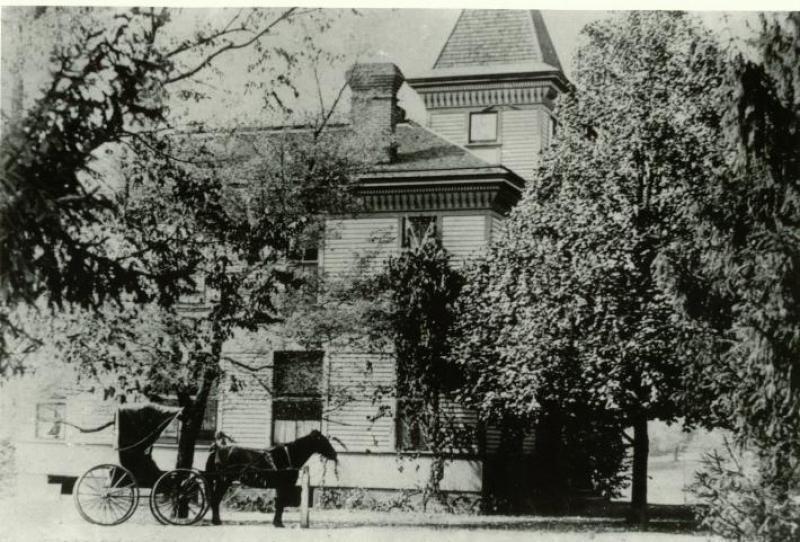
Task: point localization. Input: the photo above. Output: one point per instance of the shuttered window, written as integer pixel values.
(418, 228)
(411, 432)
(297, 388)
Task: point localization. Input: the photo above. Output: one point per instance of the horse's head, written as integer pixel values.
(322, 445)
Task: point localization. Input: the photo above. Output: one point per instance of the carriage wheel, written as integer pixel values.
(179, 497)
(106, 495)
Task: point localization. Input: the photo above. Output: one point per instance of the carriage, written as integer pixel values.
(109, 494)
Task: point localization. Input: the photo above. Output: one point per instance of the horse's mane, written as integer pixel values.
(221, 440)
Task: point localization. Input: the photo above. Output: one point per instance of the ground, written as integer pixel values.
(54, 519)
(39, 513)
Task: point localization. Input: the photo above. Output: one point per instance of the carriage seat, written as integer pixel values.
(143, 467)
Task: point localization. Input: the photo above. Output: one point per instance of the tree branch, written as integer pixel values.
(230, 47)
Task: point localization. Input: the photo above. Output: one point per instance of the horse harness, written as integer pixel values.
(270, 459)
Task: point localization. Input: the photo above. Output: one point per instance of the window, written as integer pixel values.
(552, 127)
(483, 127)
(297, 399)
(411, 431)
(418, 228)
(209, 426)
(198, 296)
(207, 429)
(306, 261)
(49, 418)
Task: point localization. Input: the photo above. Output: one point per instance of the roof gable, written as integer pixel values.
(487, 37)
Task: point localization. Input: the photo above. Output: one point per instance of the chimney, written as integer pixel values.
(374, 112)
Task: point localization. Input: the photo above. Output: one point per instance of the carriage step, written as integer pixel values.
(67, 482)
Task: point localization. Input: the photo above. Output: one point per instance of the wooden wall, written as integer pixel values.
(353, 241)
(523, 133)
(464, 236)
(361, 403)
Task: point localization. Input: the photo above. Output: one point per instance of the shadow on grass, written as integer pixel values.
(610, 517)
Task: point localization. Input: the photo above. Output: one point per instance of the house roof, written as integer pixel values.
(428, 171)
(418, 148)
(485, 38)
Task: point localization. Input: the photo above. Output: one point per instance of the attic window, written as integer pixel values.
(483, 127)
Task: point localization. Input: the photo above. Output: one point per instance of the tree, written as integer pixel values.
(568, 305)
(404, 307)
(737, 278)
(115, 76)
(244, 208)
(422, 288)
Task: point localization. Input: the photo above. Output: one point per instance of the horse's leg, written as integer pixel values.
(280, 495)
(219, 488)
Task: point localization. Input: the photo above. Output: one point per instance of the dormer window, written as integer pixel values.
(483, 127)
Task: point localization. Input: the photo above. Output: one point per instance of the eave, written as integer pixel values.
(491, 188)
(476, 75)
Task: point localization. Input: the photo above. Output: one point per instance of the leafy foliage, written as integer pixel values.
(567, 309)
(739, 504)
(114, 75)
(422, 288)
(737, 279)
(242, 209)
(403, 307)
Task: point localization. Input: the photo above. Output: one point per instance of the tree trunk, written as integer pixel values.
(641, 450)
(187, 436)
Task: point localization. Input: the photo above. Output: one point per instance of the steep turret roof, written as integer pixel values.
(496, 40)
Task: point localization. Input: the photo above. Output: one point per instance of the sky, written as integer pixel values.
(410, 38)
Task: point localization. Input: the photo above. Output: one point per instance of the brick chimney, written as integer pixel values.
(374, 112)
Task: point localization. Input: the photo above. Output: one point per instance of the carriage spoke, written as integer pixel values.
(106, 495)
(179, 498)
(123, 508)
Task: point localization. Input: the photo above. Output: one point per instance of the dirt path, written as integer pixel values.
(56, 520)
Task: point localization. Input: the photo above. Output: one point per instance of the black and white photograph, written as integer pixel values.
(356, 273)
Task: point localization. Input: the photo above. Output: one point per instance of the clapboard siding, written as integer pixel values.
(246, 414)
(490, 155)
(464, 420)
(361, 403)
(366, 241)
(493, 435)
(521, 136)
(452, 125)
(464, 236)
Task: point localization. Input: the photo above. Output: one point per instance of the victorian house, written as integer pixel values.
(489, 100)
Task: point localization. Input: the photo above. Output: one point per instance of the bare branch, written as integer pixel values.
(327, 116)
(230, 47)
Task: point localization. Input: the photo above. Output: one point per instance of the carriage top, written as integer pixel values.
(138, 427)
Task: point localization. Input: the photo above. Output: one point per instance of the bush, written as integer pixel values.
(740, 505)
(8, 471)
(251, 500)
(397, 501)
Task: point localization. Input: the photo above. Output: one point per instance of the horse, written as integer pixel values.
(277, 467)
